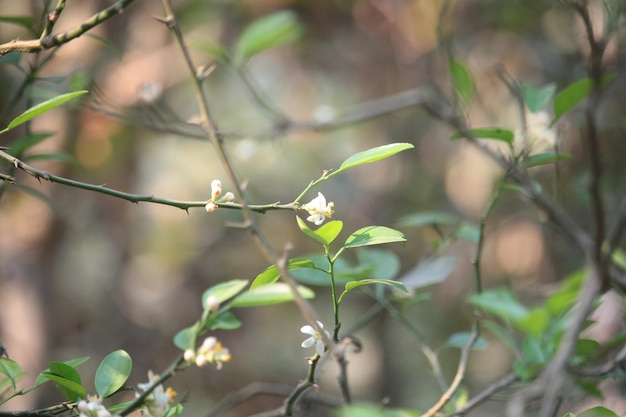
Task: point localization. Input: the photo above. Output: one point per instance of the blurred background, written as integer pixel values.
(86, 274)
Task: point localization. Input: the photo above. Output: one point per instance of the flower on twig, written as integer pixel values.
(92, 407)
(316, 338)
(540, 135)
(318, 209)
(158, 402)
(211, 351)
(216, 191)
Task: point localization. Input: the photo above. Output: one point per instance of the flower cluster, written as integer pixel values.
(316, 338)
(216, 191)
(540, 135)
(158, 402)
(92, 407)
(318, 209)
(211, 351)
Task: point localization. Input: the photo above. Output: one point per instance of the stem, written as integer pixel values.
(333, 290)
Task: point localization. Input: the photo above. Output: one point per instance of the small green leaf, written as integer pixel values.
(462, 80)
(430, 272)
(67, 380)
(537, 98)
(113, 373)
(501, 333)
(487, 133)
(224, 291)
(501, 303)
(535, 321)
(429, 218)
(214, 50)
(598, 411)
(325, 234)
(459, 340)
(545, 158)
(574, 94)
(267, 32)
(19, 146)
(372, 155)
(11, 369)
(355, 284)
(373, 235)
(44, 107)
(269, 294)
(186, 338)
(272, 273)
(225, 321)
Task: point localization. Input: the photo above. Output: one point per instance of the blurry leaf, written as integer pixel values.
(37, 194)
(500, 303)
(487, 133)
(312, 276)
(13, 59)
(373, 235)
(269, 294)
(574, 94)
(67, 380)
(429, 218)
(545, 158)
(224, 291)
(501, 333)
(598, 411)
(225, 321)
(430, 272)
(267, 32)
(58, 156)
(533, 351)
(535, 321)
(590, 388)
(214, 50)
(372, 155)
(468, 231)
(272, 273)
(462, 80)
(324, 234)
(41, 108)
(384, 264)
(26, 22)
(11, 369)
(355, 284)
(537, 98)
(459, 340)
(20, 145)
(186, 338)
(112, 47)
(113, 373)
(587, 348)
(374, 410)
(564, 298)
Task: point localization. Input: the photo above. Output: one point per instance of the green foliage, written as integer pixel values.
(574, 93)
(224, 291)
(371, 155)
(66, 379)
(537, 98)
(430, 272)
(372, 410)
(495, 133)
(545, 158)
(373, 235)
(326, 234)
(112, 373)
(462, 81)
(269, 294)
(267, 32)
(11, 370)
(272, 273)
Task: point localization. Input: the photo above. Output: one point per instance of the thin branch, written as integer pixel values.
(52, 19)
(51, 41)
(486, 394)
(133, 198)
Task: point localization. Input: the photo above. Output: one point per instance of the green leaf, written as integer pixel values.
(225, 321)
(224, 291)
(430, 272)
(44, 107)
(113, 373)
(186, 338)
(429, 218)
(267, 32)
(215, 50)
(598, 411)
(501, 333)
(325, 234)
(373, 235)
(11, 369)
(459, 340)
(501, 303)
(19, 146)
(66, 379)
(372, 155)
(383, 264)
(462, 80)
(374, 410)
(545, 158)
(74, 363)
(269, 294)
(51, 156)
(537, 98)
(355, 284)
(272, 273)
(487, 133)
(535, 321)
(574, 94)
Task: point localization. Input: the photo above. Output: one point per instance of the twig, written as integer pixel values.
(50, 41)
(486, 394)
(52, 18)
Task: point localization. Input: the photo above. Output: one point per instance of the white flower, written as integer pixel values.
(211, 351)
(315, 339)
(216, 189)
(157, 403)
(540, 136)
(210, 207)
(212, 303)
(229, 197)
(92, 407)
(318, 209)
